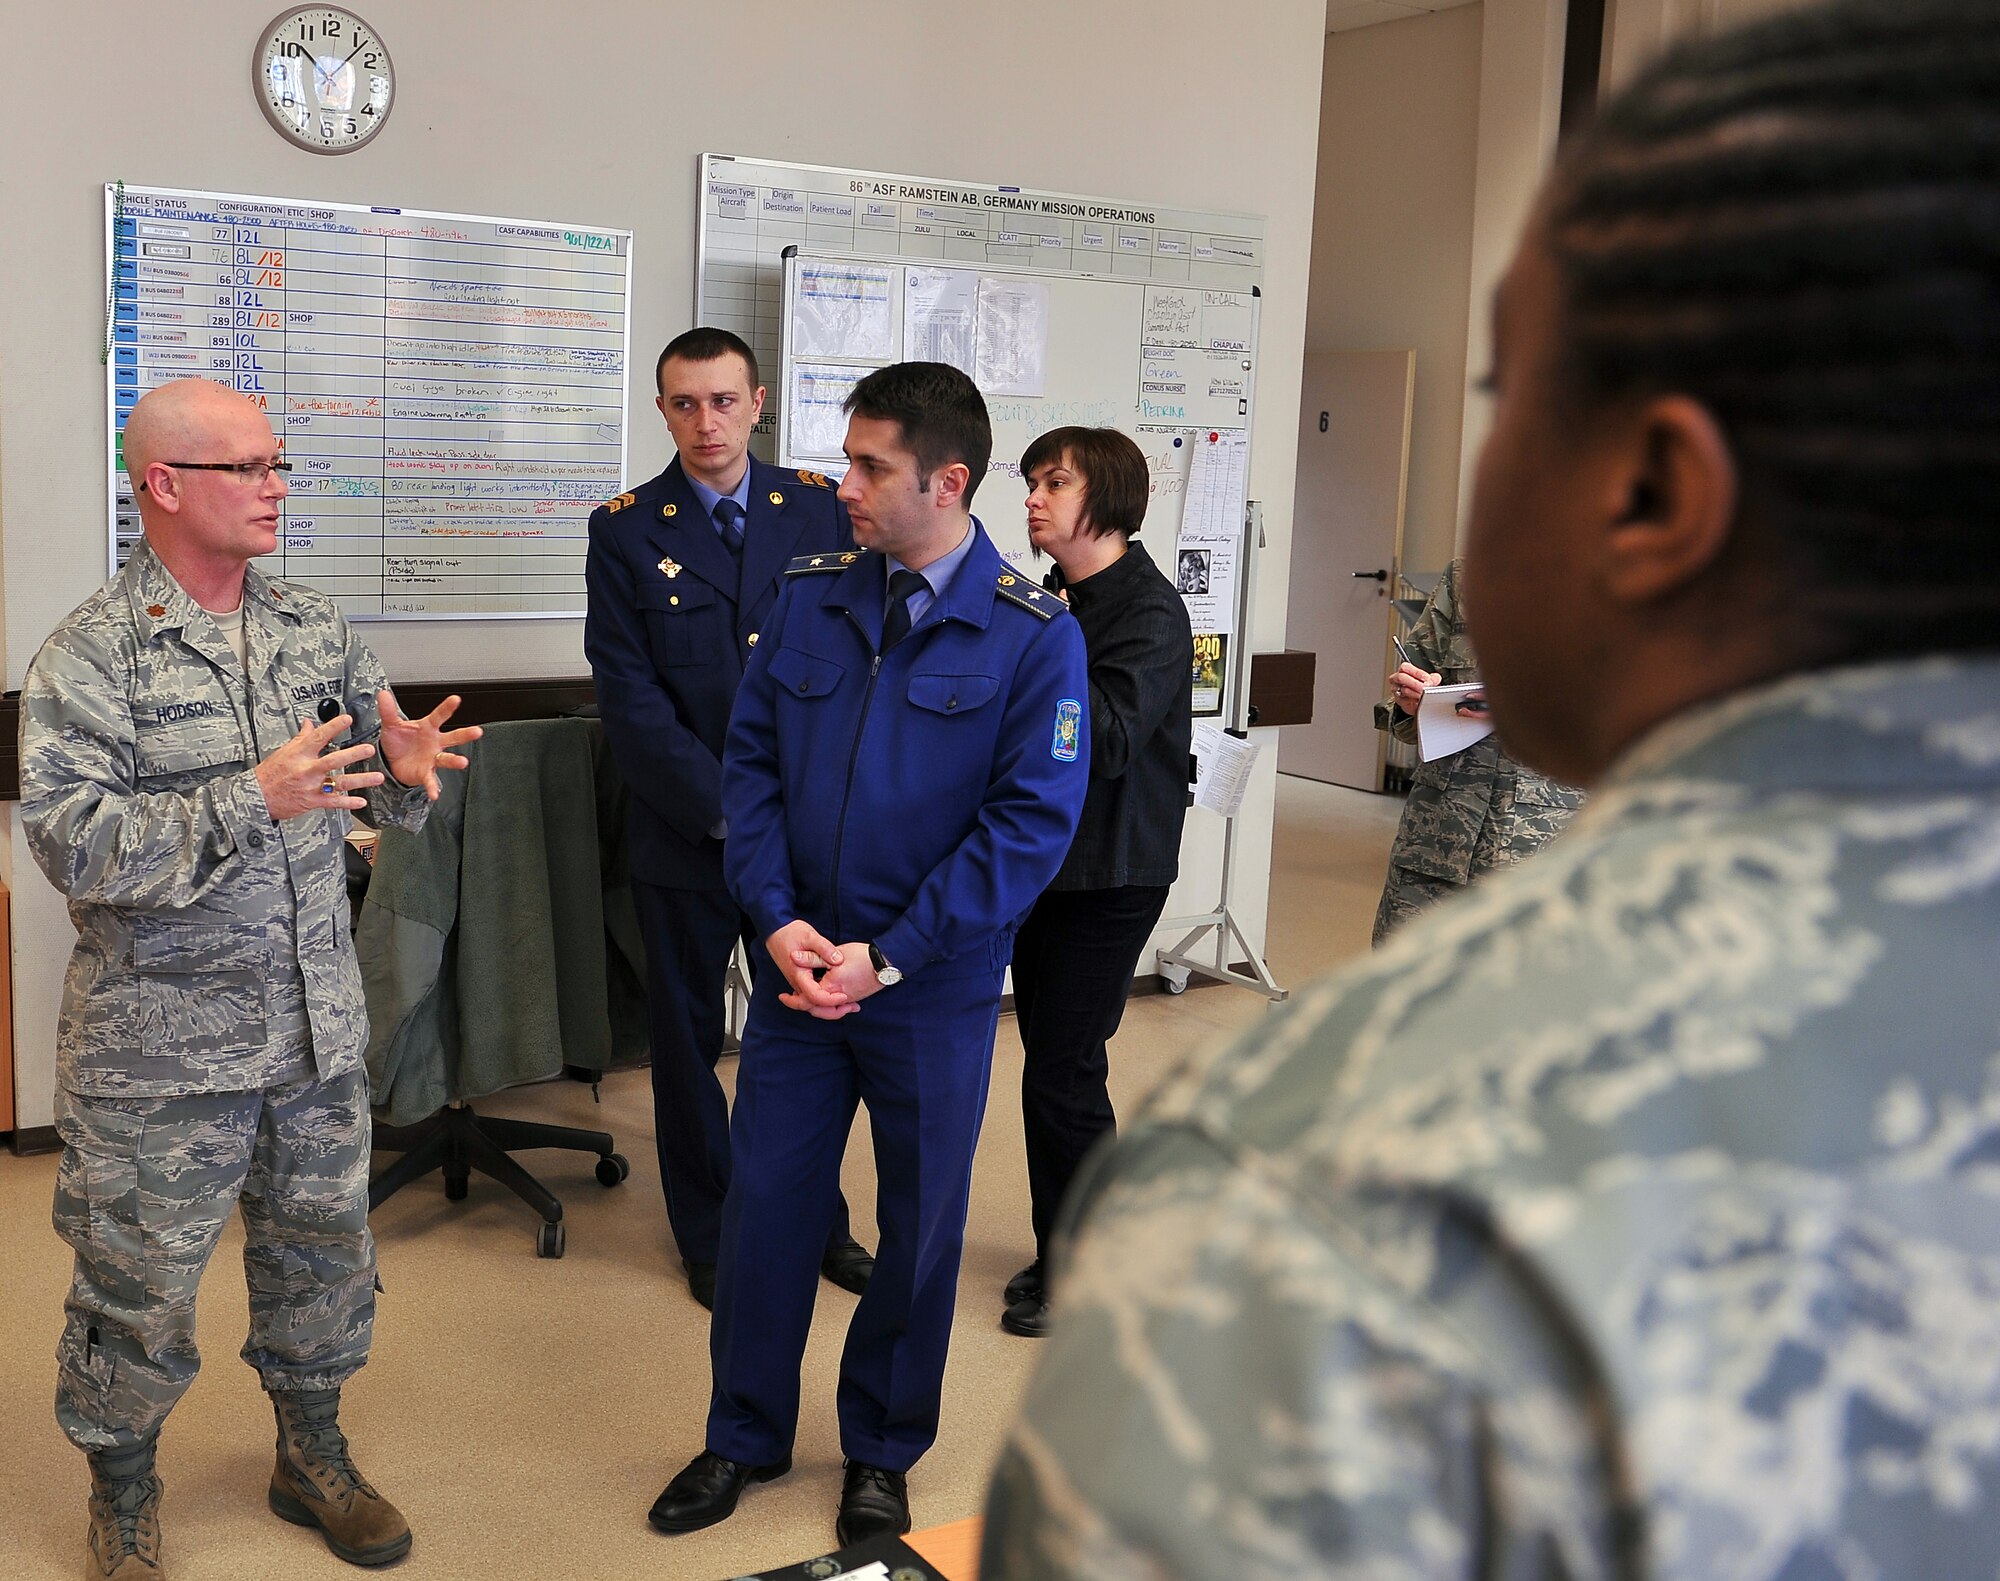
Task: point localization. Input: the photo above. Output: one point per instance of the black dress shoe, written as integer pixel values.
(873, 1501)
(1028, 1317)
(1028, 1282)
(847, 1265)
(706, 1491)
(701, 1282)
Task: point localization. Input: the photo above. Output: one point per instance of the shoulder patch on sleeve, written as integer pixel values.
(832, 560)
(1026, 595)
(617, 505)
(818, 480)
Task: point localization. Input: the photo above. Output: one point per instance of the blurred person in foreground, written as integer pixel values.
(1632, 1214)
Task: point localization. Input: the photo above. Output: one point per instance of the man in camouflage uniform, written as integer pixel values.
(1473, 811)
(209, 1050)
(1632, 1214)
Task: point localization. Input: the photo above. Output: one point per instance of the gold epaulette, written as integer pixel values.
(818, 480)
(617, 505)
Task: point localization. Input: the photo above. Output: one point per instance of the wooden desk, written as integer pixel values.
(954, 1548)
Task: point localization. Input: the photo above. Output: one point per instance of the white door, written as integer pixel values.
(1347, 542)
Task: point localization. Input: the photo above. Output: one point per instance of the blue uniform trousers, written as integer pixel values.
(919, 1056)
(689, 934)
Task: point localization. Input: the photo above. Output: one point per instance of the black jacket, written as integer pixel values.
(1141, 651)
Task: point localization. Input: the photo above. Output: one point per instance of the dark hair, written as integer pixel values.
(705, 345)
(939, 410)
(1115, 482)
(1798, 225)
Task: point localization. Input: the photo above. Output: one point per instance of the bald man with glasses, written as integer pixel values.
(193, 739)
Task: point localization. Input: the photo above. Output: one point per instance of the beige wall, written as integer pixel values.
(1637, 30)
(1392, 232)
(590, 112)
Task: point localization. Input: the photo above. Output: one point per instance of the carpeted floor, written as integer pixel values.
(524, 1413)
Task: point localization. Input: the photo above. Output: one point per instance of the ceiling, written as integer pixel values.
(1341, 15)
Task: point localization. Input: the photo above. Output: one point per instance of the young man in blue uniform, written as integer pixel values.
(904, 772)
(682, 574)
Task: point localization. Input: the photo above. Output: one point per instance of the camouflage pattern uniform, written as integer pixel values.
(1468, 813)
(1631, 1215)
(212, 1022)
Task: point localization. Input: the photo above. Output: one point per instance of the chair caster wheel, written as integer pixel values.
(456, 1186)
(612, 1168)
(550, 1242)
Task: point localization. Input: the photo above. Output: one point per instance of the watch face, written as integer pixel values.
(324, 79)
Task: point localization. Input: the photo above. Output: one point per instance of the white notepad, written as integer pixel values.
(1441, 729)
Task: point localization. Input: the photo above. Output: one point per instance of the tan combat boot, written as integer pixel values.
(124, 1532)
(316, 1484)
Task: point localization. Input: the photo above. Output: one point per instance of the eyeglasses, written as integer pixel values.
(250, 471)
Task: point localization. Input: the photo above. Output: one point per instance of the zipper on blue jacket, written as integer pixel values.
(847, 791)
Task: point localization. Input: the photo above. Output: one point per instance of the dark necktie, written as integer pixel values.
(896, 626)
(729, 525)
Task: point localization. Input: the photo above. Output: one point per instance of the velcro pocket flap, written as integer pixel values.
(197, 947)
(182, 748)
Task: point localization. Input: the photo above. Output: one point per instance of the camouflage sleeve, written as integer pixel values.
(1428, 642)
(1239, 1387)
(96, 835)
(392, 804)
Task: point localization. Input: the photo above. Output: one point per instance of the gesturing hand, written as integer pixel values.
(300, 778)
(417, 748)
(800, 953)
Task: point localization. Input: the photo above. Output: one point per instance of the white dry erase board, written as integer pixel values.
(752, 210)
(449, 388)
(1172, 364)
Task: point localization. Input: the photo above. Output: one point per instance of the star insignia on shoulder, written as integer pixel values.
(1032, 599)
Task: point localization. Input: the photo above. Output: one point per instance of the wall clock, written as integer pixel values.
(324, 79)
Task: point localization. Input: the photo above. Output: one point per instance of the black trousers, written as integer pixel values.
(1073, 964)
(689, 934)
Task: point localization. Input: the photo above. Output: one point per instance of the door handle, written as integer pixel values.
(1372, 576)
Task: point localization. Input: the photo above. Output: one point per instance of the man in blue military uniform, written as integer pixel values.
(904, 774)
(682, 574)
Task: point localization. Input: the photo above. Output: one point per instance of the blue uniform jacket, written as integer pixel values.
(922, 800)
(667, 635)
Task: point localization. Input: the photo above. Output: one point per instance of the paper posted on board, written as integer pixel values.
(1012, 336)
(1222, 766)
(847, 310)
(940, 317)
(817, 415)
(1444, 727)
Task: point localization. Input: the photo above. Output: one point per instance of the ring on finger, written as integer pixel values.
(330, 786)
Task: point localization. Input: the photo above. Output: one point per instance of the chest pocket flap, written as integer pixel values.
(673, 595)
(952, 694)
(188, 744)
(804, 674)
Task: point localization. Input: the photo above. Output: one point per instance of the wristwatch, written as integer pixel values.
(885, 974)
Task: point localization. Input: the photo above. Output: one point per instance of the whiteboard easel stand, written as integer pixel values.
(1177, 965)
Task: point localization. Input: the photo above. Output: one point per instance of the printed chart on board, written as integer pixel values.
(449, 388)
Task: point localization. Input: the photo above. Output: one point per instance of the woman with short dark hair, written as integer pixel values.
(1074, 958)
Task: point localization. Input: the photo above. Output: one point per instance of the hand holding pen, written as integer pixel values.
(1408, 685)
